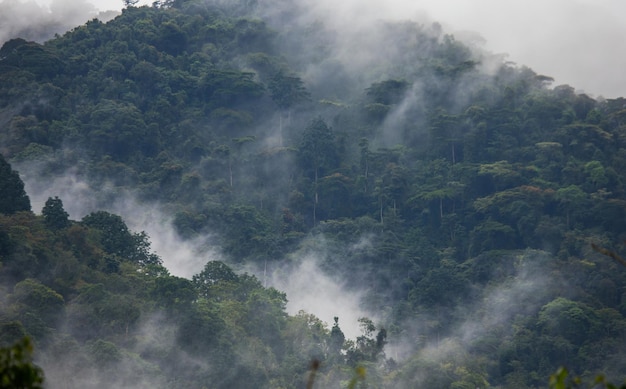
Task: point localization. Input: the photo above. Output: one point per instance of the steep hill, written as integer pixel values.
(456, 194)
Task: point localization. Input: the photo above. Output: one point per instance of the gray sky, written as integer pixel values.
(578, 42)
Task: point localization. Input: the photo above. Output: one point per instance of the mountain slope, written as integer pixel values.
(457, 193)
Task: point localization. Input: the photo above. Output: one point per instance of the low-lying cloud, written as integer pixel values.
(182, 258)
(307, 286)
(36, 21)
(578, 42)
(310, 289)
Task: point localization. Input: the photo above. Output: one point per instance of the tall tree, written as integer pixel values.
(13, 198)
(115, 235)
(286, 91)
(54, 215)
(317, 154)
(337, 339)
(571, 198)
(213, 273)
(118, 240)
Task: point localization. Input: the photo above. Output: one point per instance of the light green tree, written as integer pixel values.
(17, 370)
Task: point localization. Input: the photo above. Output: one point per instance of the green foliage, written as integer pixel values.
(287, 90)
(574, 321)
(387, 92)
(115, 235)
(213, 273)
(307, 338)
(173, 293)
(31, 296)
(367, 348)
(54, 215)
(13, 198)
(317, 151)
(116, 238)
(562, 380)
(172, 39)
(30, 56)
(359, 376)
(434, 183)
(17, 370)
(337, 339)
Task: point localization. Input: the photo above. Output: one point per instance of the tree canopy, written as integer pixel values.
(13, 197)
(460, 205)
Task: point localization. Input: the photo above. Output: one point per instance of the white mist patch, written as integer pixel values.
(488, 319)
(578, 42)
(40, 20)
(522, 295)
(395, 121)
(183, 258)
(78, 197)
(308, 288)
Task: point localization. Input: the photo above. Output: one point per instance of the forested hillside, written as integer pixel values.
(458, 194)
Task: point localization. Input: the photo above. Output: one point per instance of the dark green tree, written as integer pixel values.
(317, 155)
(286, 91)
(571, 199)
(31, 296)
(213, 273)
(13, 198)
(117, 239)
(337, 339)
(387, 92)
(174, 293)
(54, 216)
(141, 253)
(115, 236)
(172, 39)
(367, 347)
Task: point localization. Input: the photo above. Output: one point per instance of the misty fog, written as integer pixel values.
(577, 42)
(40, 21)
(352, 277)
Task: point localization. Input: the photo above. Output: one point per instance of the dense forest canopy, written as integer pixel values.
(455, 195)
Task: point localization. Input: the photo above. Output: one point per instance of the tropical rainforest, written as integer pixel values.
(458, 194)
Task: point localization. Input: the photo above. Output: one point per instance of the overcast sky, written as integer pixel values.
(578, 42)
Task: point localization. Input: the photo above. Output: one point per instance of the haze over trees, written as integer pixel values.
(457, 194)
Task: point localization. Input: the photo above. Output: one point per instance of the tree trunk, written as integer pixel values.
(315, 209)
(366, 173)
(315, 200)
(453, 154)
(441, 209)
(280, 129)
(230, 172)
